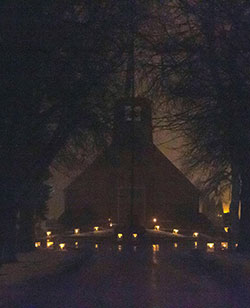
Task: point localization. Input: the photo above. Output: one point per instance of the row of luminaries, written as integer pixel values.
(155, 226)
(55, 243)
(96, 229)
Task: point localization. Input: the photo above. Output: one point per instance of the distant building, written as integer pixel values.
(104, 188)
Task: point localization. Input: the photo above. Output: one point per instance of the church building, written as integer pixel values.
(158, 189)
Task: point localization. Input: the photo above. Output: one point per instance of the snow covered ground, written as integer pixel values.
(170, 275)
(145, 277)
(35, 265)
(100, 233)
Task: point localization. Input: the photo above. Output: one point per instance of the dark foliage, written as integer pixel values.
(204, 52)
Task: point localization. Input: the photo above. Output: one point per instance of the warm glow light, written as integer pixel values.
(48, 233)
(236, 245)
(175, 231)
(195, 234)
(154, 220)
(50, 244)
(109, 219)
(119, 235)
(37, 244)
(195, 245)
(226, 208)
(155, 247)
(111, 225)
(62, 246)
(210, 247)
(96, 246)
(76, 244)
(119, 247)
(175, 245)
(135, 235)
(157, 228)
(224, 245)
(226, 229)
(96, 228)
(77, 231)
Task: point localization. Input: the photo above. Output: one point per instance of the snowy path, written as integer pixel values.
(145, 278)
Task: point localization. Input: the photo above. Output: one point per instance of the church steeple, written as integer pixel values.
(129, 130)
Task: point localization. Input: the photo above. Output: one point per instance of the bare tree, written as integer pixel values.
(57, 60)
(203, 50)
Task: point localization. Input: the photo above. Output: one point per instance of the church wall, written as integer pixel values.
(159, 185)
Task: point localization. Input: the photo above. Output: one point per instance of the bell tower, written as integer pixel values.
(133, 124)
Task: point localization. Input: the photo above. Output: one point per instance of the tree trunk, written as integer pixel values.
(244, 234)
(234, 206)
(26, 229)
(8, 232)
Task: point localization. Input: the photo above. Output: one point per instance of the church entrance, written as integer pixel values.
(124, 203)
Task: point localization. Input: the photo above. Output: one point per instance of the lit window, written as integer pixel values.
(155, 247)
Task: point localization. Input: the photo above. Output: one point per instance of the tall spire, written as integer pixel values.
(130, 74)
(130, 96)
